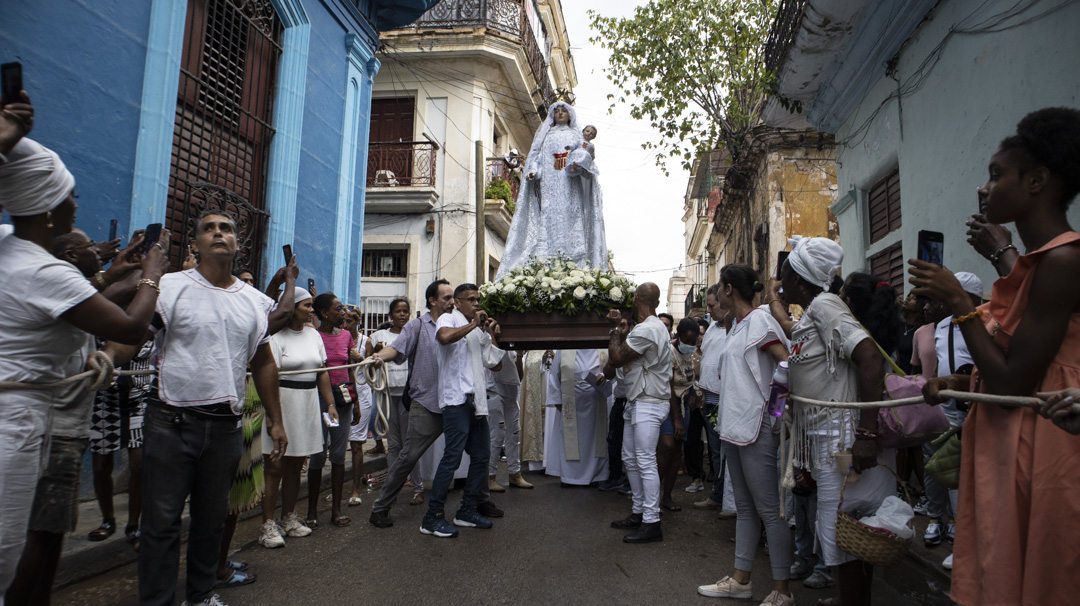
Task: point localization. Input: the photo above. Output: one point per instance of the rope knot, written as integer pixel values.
(102, 364)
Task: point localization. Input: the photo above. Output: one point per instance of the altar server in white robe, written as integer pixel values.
(578, 395)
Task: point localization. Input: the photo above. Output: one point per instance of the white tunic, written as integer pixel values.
(589, 468)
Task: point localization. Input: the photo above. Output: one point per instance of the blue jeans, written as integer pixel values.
(614, 440)
(184, 454)
(463, 432)
(805, 518)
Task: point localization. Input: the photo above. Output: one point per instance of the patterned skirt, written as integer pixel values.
(248, 484)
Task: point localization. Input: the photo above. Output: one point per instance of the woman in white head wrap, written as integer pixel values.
(833, 358)
(560, 206)
(296, 347)
(41, 300)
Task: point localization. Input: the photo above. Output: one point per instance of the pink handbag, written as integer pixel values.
(911, 425)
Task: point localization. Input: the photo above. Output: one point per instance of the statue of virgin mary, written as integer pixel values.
(559, 207)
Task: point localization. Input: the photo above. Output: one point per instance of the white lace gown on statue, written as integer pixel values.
(561, 210)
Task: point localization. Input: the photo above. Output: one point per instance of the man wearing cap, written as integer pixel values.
(952, 358)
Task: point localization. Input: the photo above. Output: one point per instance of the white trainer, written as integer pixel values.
(778, 599)
(214, 600)
(293, 527)
(947, 564)
(270, 535)
(727, 587)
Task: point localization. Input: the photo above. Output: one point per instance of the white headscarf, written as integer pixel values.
(548, 124)
(816, 260)
(34, 180)
(299, 295)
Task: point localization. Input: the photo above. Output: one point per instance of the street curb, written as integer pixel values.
(99, 558)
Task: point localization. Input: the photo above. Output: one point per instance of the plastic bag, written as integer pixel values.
(895, 516)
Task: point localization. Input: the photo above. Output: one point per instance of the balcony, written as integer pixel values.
(401, 177)
(504, 16)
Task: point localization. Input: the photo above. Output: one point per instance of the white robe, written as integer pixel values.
(589, 468)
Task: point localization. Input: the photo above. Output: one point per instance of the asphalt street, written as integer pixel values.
(554, 546)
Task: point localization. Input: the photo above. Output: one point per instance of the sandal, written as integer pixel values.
(417, 499)
(354, 501)
(673, 506)
(132, 534)
(241, 566)
(341, 521)
(106, 530)
(237, 579)
(311, 523)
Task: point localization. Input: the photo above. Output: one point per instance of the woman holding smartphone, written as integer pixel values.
(1019, 492)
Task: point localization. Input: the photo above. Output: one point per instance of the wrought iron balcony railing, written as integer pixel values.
(782, 33)
(505, 16)
(405, 163)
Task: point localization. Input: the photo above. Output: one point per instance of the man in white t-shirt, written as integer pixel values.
(503, 389)
(466, 348)
(644, 355)
(210, 328)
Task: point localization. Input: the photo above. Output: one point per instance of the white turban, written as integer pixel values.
(34, 180)
(300, 295)
(816, 260)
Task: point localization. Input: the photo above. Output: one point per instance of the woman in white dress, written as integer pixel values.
(559, 207)
(297, 347)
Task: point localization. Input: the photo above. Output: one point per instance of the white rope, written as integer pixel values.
(379, 379)
(1011, 401)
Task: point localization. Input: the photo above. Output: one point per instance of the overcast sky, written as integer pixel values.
(642, 208)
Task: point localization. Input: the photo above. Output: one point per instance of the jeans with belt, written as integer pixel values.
(184, 454)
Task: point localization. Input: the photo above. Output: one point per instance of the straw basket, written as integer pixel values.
(871, 545)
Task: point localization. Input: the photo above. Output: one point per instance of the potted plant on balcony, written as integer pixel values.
(555, 303)
(499, 189)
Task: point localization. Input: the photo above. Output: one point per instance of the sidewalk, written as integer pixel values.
(82, 559)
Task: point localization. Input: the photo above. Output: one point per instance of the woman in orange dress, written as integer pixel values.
(1018, 538)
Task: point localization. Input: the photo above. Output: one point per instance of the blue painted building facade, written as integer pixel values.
(104, 80)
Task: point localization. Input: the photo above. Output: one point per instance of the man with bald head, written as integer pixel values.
(644, 356)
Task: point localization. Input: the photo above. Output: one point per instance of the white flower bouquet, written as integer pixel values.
(557, 285)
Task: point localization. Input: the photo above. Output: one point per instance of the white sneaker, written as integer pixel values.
(293, 527)
(214, 600)
(778, 599)
(947, 564)
(727, 587)
(695, 486)
(270, 535)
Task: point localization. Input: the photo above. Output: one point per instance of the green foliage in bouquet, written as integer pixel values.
(557, 284)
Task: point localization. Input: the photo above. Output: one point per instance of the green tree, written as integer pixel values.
(695, 69)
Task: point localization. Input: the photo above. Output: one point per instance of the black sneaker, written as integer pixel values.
(648, 533)
(631, 521)
(609, 485)
(489, 510)
(381, 519)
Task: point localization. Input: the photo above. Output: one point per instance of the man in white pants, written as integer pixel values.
(504, 416)
(645, 356)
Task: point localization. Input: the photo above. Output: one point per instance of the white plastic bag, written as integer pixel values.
(895, 516)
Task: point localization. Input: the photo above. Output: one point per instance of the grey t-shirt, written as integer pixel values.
(73, 404)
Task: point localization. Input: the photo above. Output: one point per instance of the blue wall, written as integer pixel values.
(87, 89)
(83, 68)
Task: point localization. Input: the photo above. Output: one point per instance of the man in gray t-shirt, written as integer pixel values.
(644, 355)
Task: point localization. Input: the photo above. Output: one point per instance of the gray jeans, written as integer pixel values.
(504, 418)
(424, 428)
(757, 500)
(397, 440)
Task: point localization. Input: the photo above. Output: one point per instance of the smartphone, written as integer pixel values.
(932, 247)
(781, 257)
(287, 249)
(10, 82)
(152, 234)
(112, 229)
(311, 284)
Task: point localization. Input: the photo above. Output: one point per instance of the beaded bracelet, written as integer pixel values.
(99, 277)
(997, 254)
(971, 316)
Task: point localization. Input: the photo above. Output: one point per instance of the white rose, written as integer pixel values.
(605, 282)
(577, 273)
(509, 288)
(571, 265)
(579, 293)
(589, 280)
(556, 285)
(530, 282)
(616, 294)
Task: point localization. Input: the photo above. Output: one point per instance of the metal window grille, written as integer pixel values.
(383, 263)
(374, 311)
(884, 206)
(222, 133)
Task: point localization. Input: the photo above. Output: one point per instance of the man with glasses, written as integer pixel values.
(466, 348)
